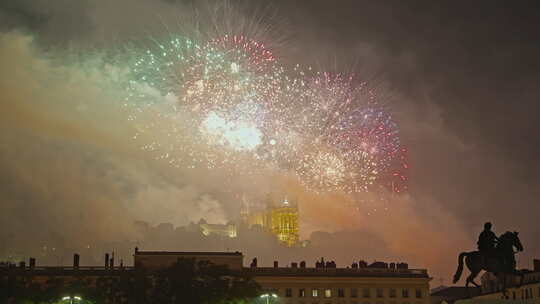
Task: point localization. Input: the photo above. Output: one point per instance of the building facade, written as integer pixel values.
(490, 291)
(344, 285)
(279, 218)
(228, 230)
(297, 284)
(529, 291)
(323, 284)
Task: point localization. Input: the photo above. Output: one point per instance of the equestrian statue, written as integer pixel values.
(495, 255)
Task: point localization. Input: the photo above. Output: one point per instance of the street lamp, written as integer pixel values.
(72, 299)
(267, 296)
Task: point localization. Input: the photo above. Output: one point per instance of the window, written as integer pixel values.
(405, 293)
(301, 292)
(379, 292)
(418, 293)
(328, 293)
(354, 292)
(314, 293)
(340, 293)
(392, 292)
(288, 292)
(365, 293)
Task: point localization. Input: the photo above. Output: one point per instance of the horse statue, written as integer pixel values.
(501, 263)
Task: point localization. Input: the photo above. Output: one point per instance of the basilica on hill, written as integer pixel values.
(278, 216)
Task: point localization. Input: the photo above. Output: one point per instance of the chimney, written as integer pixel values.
(276, 264)
(111, 262)
(32, 263)
(536, 263)
(76, 258)
(106, 260)
(253, 263)
(402, 266)
(303, 264)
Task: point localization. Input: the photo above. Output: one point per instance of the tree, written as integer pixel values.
(187, 281)
(201, 282)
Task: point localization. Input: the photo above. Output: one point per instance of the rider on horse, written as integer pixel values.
(487, 241)
(495, 255)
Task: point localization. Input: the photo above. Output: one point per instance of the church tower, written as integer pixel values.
(284, 222)
(244, 210)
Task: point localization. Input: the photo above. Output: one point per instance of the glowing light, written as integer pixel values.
(238, 135)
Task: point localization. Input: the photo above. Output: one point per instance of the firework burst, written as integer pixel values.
(228, 102)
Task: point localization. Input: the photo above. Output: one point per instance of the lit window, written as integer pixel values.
(379, 292)
(354, 292)
(419, 293)
(392, 293)
(301, 292)
(288, 292)
(328, 293)
(405, 293)
(366, 293)
(340, 293)
(314, 293)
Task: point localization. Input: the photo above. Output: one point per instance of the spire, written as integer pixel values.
(244, 206)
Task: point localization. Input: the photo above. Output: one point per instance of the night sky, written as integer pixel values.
(461, 78)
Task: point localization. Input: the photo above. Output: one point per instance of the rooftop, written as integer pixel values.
(337, 272)
(188, 253)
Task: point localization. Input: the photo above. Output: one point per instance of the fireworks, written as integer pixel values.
(360, 140)
(228, 102)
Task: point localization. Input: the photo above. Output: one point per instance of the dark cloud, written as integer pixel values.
(462, 79)
(58, 21)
